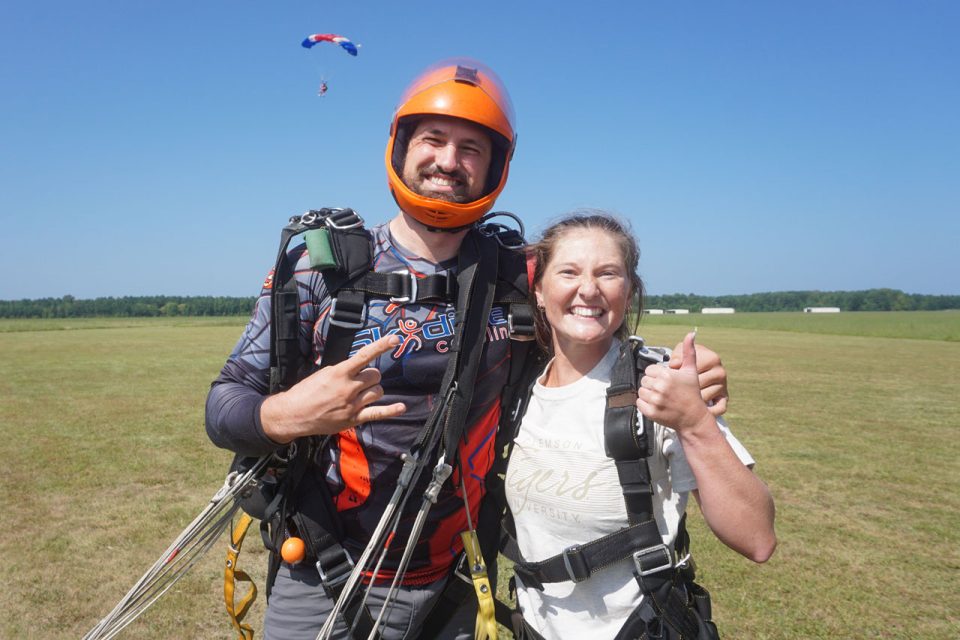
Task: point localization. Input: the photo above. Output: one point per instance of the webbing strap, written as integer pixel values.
(286, 359)
(486, 625)
(348, 312)
(232, 575)
(627, 435)
(479, 257)
(405, 287)
(476, 280)
(578, 562)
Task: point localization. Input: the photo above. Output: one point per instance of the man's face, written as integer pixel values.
(447, 159)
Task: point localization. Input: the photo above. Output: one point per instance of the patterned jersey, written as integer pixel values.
(361, 465)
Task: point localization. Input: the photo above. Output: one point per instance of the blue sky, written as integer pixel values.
(158, 147)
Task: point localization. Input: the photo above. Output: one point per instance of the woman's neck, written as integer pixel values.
(572, 362)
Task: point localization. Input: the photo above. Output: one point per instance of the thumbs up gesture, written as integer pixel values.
(672, 396)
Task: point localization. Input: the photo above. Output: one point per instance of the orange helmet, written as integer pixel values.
(459, 88)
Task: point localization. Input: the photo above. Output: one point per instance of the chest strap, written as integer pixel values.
(578, 562)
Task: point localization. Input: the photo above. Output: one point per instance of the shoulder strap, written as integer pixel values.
(340, 246)
(626, 434)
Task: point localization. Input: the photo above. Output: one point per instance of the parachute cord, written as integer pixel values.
(191, 545)
(411, 467)
(414, 464)
(440, 474)
(381, 557)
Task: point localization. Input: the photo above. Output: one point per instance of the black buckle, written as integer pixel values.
(575, 563)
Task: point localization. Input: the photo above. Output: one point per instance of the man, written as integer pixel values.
(447, 160)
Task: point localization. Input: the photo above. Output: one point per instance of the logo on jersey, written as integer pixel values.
(414, 334)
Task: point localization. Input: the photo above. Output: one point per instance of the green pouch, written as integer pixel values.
(319, 248)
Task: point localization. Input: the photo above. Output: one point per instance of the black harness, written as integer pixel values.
(674, 607)
(293, 498)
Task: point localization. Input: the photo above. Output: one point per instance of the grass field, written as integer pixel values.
(926, 325)
(855, 434)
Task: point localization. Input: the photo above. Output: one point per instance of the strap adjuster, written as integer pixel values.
(338, 573)
(343, 219)
(647, 557)
(347, 323)
(574, 563)
(519, 330)
(410, 291)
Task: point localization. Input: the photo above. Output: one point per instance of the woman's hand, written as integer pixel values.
(672, 396)
(712, 376)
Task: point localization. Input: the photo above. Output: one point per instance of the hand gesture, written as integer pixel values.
(712, 376)
(331, 399)
(672, 396)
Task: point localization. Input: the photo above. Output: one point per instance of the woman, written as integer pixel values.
(562, 489)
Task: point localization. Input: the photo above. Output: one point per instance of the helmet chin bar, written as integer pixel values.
(430, 227)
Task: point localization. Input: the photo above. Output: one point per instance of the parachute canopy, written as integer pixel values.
(317, 38)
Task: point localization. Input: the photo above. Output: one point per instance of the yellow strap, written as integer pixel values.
(486, 628)
(232, 575)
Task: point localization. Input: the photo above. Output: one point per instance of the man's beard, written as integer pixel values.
(457, 198)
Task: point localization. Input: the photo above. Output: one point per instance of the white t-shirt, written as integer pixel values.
(563, 489)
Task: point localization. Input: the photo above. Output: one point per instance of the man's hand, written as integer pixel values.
(331, 399)
(712, 376)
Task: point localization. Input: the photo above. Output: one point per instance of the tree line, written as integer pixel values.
(867, 300)
(168, 306)
(127, 307)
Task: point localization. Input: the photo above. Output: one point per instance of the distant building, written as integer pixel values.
(717, 310)
(821, 309)
(679, 311)
(654, 312)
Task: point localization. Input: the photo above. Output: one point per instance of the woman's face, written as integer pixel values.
(584, 291)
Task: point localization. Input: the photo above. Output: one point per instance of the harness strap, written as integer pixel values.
(405, 287)
(337, 240)
(578, 562)
(486, 625)
(232, 575)
(472, 316)
(626, 434)
(352, 251)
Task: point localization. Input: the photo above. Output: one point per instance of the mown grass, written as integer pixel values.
(107, 460)
(8, 325)
(918, 325)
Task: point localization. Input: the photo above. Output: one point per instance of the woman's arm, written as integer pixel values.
(735, 503)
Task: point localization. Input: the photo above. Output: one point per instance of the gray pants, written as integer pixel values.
(298, 608)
